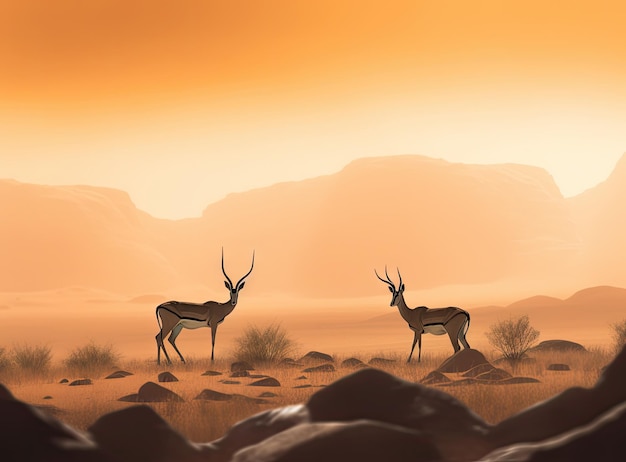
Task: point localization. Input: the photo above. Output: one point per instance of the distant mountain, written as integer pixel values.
(601, 222)
(439, 222)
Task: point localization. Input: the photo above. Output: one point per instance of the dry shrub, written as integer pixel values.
(512, 337)
(92, 358)
(619, 335)
(268, 345)
(33, 359)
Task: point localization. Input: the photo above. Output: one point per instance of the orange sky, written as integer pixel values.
(180, 103)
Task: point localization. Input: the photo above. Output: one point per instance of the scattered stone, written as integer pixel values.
(230, 382)
(241, 366)
(116, 375)
(435, 378)
(288, 362)
(212, 395)
(151, 392)
(462, 361)
(268, 394)
(240, 374)
(378, 362)
(302, 377)
(257, 376)
(494, 374)
(516, 380)
(63, 381)
(80, 382)
(211, 373)
(480, 369)
(553, 346)
(316, 356)
(167, 377)
(47, 397)
(558, 367)
(320, 368)
(352, 363)
(266, 382)
(132, 398)
(307, 385)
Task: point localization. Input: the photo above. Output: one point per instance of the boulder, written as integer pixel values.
(139, 433)
(320, 368)
(266, 382)
(558, 367)
(80, 382)
(167, 377)
(463, 360)
(480, 369)
(352, 363)
(118, 375)
(211, 373)
(361, 440)
(376, 395)
(151, 392)
(560, 346)
(241, 366)
(316, 356)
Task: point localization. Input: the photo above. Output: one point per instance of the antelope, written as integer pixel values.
(173, 316)
(423, 320)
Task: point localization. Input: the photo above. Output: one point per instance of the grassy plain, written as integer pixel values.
(204, 421)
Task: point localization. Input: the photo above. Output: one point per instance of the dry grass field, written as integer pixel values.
(203, 421)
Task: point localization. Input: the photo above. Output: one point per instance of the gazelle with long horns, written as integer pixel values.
(173, 316)
(423, 320)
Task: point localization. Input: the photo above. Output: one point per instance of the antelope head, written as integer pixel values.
(234, 289)
(392, 288)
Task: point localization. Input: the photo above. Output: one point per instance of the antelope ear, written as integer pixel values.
(241, 285)
(390, 289)
(401, 288)
(227, 285)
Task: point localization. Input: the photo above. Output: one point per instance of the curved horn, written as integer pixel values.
(248, 273)
(224, 271)
(386, 281)
(400, 276)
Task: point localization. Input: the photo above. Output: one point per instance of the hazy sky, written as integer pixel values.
(181, 103)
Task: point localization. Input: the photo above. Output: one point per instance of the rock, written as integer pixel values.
(240, 374)
(259, 427)
(494, 374)
(378, 362)
(352, 363)
(376, 395)
(118, 374)
(230, 382)
(435, 378)
(320, 368)
(63, 381)
(462, 361)
(268, 394)
(316, 356)
(241, 366)
(480, 369)
(266, 382)
(29, 434)
(80, 382)
(167, 377)
(151, 392)
(288, 362)
(132, 398)
(302, 377)
(602, 439)
(47, 397)
(361, 440)
(139, 433)
(211, 373)
(558, 367)
(306, 385)
(558, 346)
(212, 395)
(566, 411)
(518, 380)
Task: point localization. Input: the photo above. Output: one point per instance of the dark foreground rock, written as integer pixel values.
(369, 416)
